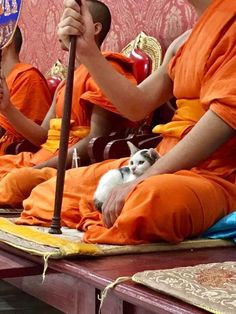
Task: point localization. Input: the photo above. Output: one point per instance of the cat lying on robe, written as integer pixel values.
(139, 162)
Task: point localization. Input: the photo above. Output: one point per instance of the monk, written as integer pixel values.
(28, 90)
(193, 184)
(92, 113)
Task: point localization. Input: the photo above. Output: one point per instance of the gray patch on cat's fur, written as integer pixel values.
(148, 157)
(98, 204)
(124, 170)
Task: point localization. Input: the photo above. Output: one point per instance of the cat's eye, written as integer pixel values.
(141, 162)
(131, 163)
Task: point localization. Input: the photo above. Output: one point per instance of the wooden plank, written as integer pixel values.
(10, 211)
(102, 271)
(81, 277)
(13, 300)
(66, 293)
(112, 302)
(14, 266)
(61, 291)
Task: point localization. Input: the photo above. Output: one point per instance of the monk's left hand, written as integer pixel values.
(112, 207)
(4, 95)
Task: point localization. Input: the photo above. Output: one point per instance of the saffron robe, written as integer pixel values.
(30, 94)
(167, 207)
(85, 92)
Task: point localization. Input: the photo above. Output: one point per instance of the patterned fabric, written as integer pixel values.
(36, 240)
(208, 286)
(41, 47)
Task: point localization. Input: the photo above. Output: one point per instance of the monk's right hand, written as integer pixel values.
(77, 21)
(115, 201)
(4, 95)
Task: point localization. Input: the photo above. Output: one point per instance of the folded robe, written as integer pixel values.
(30, 94)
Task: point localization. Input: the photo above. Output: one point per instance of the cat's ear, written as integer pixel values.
(153, 154)
(133, 149)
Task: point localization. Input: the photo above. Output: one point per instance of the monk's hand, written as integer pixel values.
(4, 95)
(77, 21)
(112, 207)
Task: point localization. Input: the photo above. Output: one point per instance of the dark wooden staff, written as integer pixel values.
(64, 138)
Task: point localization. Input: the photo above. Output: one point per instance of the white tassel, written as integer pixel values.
(45, 266)
(107, 288)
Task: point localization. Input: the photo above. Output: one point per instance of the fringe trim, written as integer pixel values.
(110, 286)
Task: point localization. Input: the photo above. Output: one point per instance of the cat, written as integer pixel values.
(139, 162)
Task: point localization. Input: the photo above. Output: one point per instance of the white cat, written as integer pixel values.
(139, 162)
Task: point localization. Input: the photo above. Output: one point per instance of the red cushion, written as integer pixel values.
(53, 82)
(142, 64)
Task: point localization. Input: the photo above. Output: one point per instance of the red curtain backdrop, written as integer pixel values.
(163, 19)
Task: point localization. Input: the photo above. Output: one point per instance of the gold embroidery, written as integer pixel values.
(7, 8)
(14, 7)
(215, 277)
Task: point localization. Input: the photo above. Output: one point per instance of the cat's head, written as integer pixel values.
(141, 159)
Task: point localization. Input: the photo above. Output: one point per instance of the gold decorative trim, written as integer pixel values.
(58, 69)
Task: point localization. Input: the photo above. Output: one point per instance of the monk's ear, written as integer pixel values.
(97, 28)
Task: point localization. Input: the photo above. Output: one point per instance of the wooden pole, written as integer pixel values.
(64, 137)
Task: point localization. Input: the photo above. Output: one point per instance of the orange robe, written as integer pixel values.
(168, 207)
(85, 92)
(30, 94)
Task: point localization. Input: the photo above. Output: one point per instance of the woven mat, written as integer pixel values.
(37, 240)
(10, 211)
(211, 287)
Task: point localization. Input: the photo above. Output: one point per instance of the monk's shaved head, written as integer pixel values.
(100, 14)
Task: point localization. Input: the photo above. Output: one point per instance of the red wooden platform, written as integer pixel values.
(73, 285)
(14, 266)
